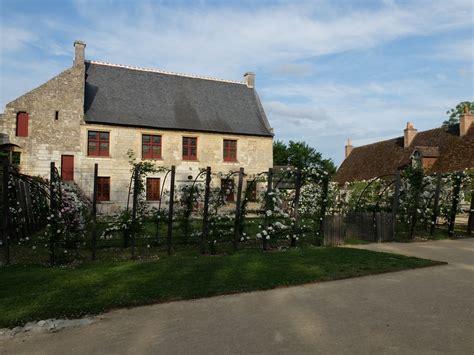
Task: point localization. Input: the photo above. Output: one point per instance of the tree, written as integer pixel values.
(280, 153)
(455, 113)
(300, 155)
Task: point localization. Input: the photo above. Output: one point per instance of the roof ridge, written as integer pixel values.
(401, 137)
(164, 72)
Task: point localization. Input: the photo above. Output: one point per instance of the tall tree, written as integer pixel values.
(455, 113)
(280, 153)
(300, 155)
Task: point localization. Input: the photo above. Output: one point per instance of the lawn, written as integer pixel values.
(35, 292)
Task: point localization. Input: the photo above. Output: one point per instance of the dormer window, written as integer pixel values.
(417, 159)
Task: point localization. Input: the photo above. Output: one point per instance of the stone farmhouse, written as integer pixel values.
(95, 112)
(438, 150)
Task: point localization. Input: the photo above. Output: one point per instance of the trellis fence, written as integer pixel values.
(38, 222)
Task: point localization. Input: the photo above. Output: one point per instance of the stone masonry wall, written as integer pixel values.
(48, 138)
(254, 154)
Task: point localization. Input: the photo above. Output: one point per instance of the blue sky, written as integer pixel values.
(326, 70)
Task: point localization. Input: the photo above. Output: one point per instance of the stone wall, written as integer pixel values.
(49, 138)
(254, 154)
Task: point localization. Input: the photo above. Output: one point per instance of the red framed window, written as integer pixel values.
(98, 143)
(103, 188)
(230, 150)
(153, 189)
(22, 119)
(189, 148)
(228, 189)
(151, 146)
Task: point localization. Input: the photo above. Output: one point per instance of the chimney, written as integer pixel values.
(79, 52)
(348, 147)
(465, 121)
(249, 78)
(409, 134)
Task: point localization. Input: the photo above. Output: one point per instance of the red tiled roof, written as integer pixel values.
(383, 158)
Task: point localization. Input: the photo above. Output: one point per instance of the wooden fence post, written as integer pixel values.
(434, 217)
(454, 207)
(324, 202)
(52, 212)
(94, 211)
(237, 208)
(268, 198)
(170, 211)
(296, 205)
(136, 176)
(205, 217)
(395, 203)
(470, 222)
(5, 214)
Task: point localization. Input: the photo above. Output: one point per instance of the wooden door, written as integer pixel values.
(67, 167)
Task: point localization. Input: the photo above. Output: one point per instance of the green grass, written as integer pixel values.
(34, 292)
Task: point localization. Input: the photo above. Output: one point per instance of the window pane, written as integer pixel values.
(146, 149)
(193, 141)
(104, 147)
(92, 146)
(185, 141)
(92, 135)
(156, 151)
(104, 136)
(146, 138)
(233, 144)
(232, 154)
(157, 139)
(193, 152)
(226, 153)
(226, 143)
(185, 151)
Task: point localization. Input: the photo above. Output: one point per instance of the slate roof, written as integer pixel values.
(455, 153)
(120, 95)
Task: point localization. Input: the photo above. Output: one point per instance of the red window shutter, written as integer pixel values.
(228, 188)
(153, 189)
(67, 167)
(103, 189)
(22, 124)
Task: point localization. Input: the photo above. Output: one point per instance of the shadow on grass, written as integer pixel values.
(34, 292)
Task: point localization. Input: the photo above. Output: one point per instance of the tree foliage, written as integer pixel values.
(455, 113)
(300, 155)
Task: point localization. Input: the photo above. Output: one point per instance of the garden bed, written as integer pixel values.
(34, 292)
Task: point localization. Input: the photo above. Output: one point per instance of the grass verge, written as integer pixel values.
(33, 292)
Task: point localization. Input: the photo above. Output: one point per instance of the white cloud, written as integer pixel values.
(279, 40)
(14, 38)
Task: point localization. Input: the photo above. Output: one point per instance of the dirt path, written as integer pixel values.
(428, 310)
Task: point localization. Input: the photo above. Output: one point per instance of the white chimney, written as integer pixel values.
(249, 78)
(348, 147)
(409, 134)
(465, 121)
(79, 52)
